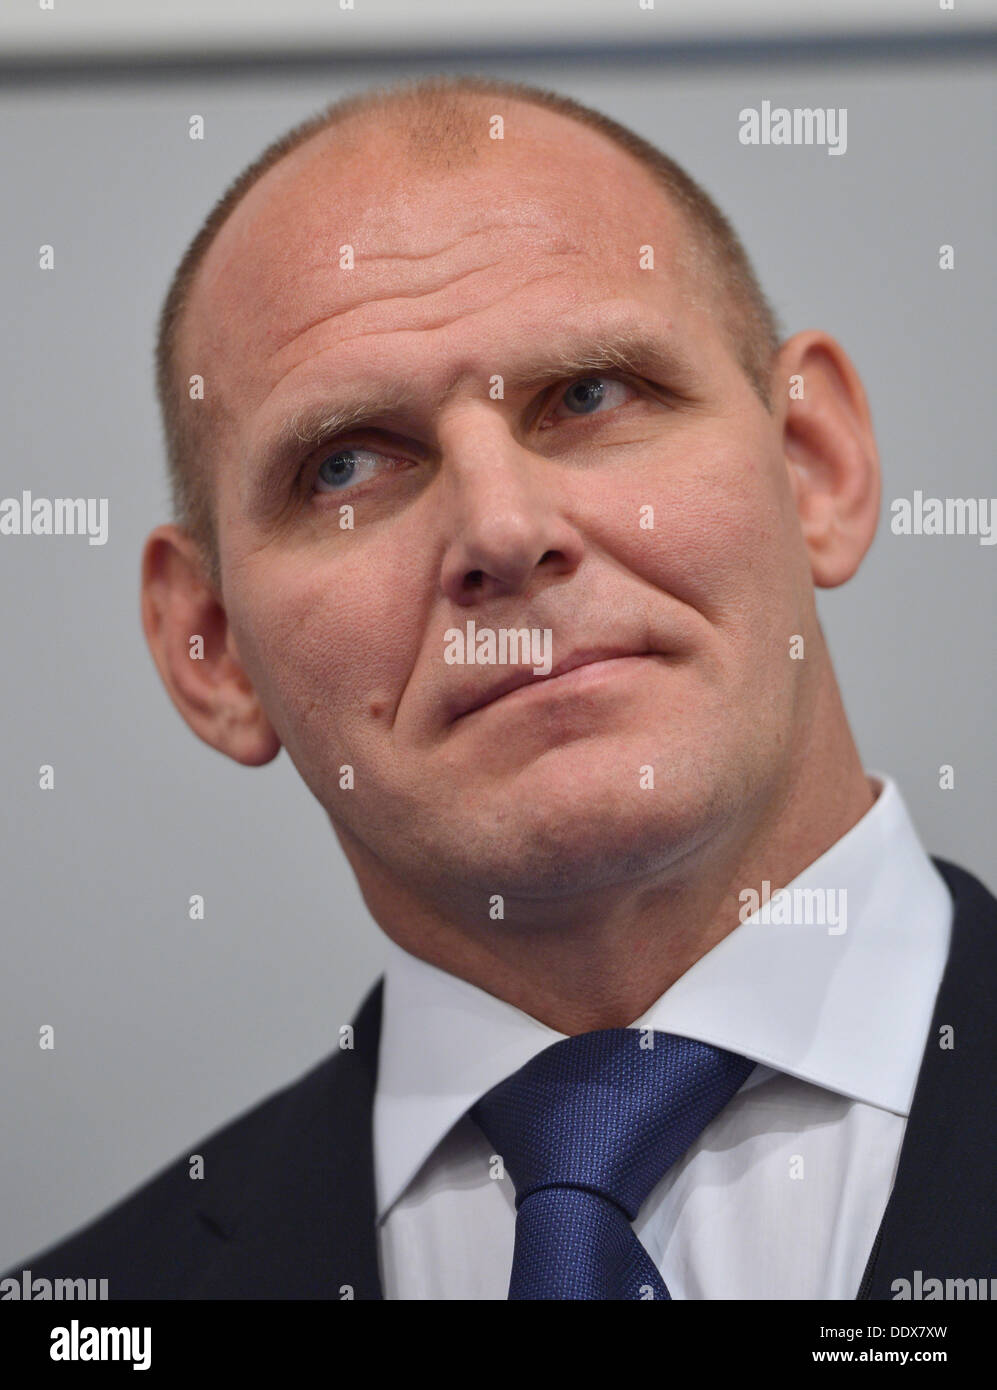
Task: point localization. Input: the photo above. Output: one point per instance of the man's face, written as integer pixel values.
(643, 514)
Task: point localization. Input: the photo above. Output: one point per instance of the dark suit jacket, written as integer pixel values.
(286, 1207)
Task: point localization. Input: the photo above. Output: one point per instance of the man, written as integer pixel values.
(501, 509)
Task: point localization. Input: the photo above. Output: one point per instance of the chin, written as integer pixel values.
(583, 836)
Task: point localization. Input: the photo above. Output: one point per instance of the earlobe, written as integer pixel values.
(830, 451)
(187, 630)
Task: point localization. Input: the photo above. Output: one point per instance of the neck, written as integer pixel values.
(602, 961)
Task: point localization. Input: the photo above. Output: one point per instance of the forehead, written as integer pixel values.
(432, 241)
(548, 180)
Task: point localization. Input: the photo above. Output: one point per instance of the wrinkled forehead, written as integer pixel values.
(353, 222)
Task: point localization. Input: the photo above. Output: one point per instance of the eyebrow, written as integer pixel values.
(633, 349)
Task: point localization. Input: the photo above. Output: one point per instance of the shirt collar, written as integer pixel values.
(847, 1010)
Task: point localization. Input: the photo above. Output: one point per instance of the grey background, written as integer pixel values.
(167, 1028)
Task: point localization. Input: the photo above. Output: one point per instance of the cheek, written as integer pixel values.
(325, 644)
(724, 537)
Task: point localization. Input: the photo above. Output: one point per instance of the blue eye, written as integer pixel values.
(589, 395)
(584, 396)
(344, 467)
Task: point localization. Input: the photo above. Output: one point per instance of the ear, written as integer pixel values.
(830, 451)
(205, 679)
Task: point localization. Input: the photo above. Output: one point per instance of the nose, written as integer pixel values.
(504, 515)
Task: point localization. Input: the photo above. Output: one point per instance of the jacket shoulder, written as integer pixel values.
(940, 1217)
(162, 1239)
(148, 1243)
(967, 888)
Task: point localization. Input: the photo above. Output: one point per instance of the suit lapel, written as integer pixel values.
(299, 1223)
(940, 1217)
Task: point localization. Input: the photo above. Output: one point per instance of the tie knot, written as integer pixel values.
(607, 1111)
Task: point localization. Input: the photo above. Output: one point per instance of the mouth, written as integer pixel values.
(469, 701)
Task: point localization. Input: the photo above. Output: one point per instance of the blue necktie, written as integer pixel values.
(586, 1130)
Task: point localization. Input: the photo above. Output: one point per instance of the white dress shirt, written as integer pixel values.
(782, 1195)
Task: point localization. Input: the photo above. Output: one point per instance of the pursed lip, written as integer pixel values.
(466, 699)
